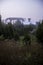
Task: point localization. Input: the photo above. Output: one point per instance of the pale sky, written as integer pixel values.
(22, 8)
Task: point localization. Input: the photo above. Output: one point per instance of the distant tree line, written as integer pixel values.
(14, 31)
(9, 30)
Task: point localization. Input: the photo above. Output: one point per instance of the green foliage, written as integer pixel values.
(13, 31)
(0, 18)
(27, 39)
(16, 36)
(39, 33)
(12, 54)
(1, 38)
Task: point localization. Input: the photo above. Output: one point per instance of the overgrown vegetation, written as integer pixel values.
(27, 39)
(18, 44)
(12, 31)
(39, 33)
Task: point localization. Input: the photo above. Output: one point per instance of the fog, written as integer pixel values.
(22, 8)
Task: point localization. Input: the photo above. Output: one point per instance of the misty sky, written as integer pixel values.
(22, 8)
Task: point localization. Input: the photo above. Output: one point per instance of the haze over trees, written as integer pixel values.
(9, 30)
(14, 31)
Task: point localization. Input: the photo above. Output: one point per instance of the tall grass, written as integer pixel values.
(12, 53)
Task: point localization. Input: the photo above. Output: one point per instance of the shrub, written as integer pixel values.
(39, 33)
(16, 36)
(1, 38)
(27, 39)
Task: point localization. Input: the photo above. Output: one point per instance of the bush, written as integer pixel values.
(1, 38)
(16, 36)
(39, 33)
(27, 39)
